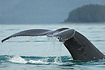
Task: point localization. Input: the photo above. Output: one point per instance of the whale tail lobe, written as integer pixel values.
(78, 45)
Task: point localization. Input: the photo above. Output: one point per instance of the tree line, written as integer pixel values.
(87, 13)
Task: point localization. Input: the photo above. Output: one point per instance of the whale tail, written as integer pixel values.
(77, 44)
(82, 49)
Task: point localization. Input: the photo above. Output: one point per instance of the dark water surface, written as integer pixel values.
(42, 53)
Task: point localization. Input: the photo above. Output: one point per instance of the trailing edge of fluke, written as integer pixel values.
(78, 45)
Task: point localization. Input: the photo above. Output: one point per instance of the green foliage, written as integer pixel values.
(87, 13)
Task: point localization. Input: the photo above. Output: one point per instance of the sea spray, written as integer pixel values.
(51, 47)
(17, 59)
(34, 60)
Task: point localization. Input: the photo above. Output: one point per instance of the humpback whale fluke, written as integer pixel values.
(78, 45)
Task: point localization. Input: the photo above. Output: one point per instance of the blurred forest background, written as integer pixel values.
(87, 14)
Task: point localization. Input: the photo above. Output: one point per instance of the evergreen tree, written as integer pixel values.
(87, 13)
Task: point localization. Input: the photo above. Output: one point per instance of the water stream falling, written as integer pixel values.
(50, 47)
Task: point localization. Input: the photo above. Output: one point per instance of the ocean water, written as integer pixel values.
(43, 53)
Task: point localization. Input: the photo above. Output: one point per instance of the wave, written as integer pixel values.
(34, 59)
(98, 40)
(57, 60)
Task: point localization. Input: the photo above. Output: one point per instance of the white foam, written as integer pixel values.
(17, 59)
(38, 62)
(57, 63)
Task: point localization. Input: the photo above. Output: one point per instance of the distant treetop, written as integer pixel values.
(87, 14)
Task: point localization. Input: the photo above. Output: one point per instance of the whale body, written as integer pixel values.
(78, 45)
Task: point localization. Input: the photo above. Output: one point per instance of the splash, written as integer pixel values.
(50, 44)
(38, 62)
(34, 60)
(17, 59)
